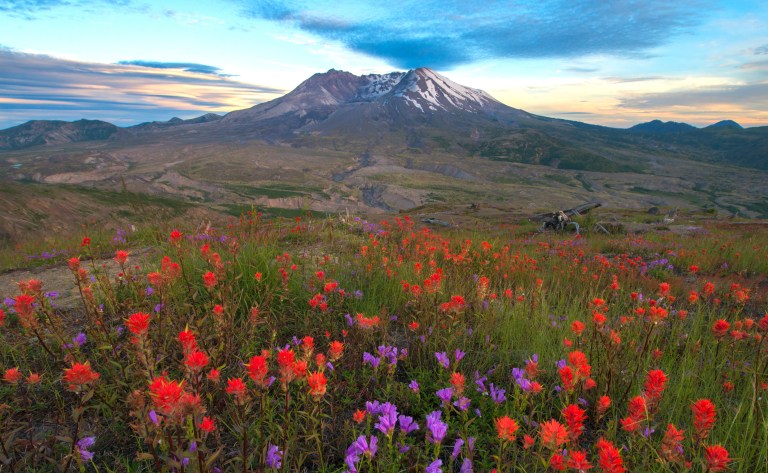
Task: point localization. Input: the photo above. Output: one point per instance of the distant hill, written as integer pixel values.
(658, 126)
(176, 121)
(42, 132)
(725, 124)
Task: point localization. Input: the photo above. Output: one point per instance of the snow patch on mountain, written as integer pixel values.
(376, 85)
(425, 87)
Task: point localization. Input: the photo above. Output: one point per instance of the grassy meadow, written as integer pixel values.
(346, 345)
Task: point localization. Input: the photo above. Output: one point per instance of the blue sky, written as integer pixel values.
(615, 63)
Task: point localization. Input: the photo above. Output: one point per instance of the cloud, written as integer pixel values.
(746, 97)
(442, 34)
(624, 80)
(582, 69)
(30, 9)
(184, 66)
(34, 86)
(762, 49)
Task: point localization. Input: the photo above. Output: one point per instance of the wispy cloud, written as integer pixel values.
(624, 80)
(34, 86)
(442, 34)
(30, 9)
(582, 70)
(747, 97)
(182, 66)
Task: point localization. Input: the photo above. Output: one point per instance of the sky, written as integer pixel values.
(608, 62)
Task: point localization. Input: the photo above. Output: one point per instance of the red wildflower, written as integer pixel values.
(317, 384)
(196, 361)
(236, 387)
(506, 428)
(574, 417)
(335, 351)
(166, 394)
(609, 458)
(577, 327)
(23, 304)
(704, 414)
(566, 377)
(214, 375)
(78, 375)
(367, 322)
(187, 340)
(664, 289)
(655, 383)
(578, 360)
(720, 328)
(553, 434)
(33, 378)
(209, 279)
(557, 462)
(528, 441)
(300, 369)
(578, 461)
(598, 318)
(12, 375)
(671, 445)
(138, 323)
(637, 414)
(603, 404)
(257, 369)
(457, 381)
(74, 263)
(175, 237)
(359, 416)
(86, 241)
(2, 318)
(708, 288)
(121, 256)
(716, 457)
(207, 425)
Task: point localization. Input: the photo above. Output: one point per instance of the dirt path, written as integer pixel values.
(59, 282)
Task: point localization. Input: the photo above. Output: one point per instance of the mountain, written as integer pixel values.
(725, 124)
(42, 132)
(658, 126)
(423, 111)
(176, 121)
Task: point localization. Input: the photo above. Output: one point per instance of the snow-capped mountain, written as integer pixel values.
(419, 94)
(429, 91)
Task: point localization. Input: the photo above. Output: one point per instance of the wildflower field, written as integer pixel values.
(345, 345)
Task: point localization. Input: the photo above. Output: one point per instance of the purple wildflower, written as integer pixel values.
(442, 359)
(80, 339)
(457, 448)
(82, 448)
(274, 457)
(462, 403)
(414, 386)
(480, 382)
(434, 467)
(498, 394)
(387, 419)
(459, 355)
(374, 361)
(407, 424)
(466, 466)
(445, 394)
(436, 429)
